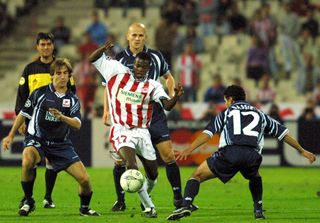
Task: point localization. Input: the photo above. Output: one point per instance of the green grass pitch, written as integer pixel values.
(289, 196)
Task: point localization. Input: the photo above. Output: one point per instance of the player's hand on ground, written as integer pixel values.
(182, 154)
(106, 118)
(56, 113)
(6, 142)
(310, 156)
(22, 129)
(178, 90)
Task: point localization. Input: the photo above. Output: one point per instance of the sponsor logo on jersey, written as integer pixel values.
(130, 97)
(66, 103)
(27, 104)
(22, 81)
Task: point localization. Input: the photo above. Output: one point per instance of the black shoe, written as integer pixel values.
(22, 202)
(88, 212)
(178, 204)
(258, 215)
(180, 213)
(119, 206)
(48, 203)
(27, 207)
(150, 213)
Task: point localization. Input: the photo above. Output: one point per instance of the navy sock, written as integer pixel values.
(27, 187)
(51, 177)
(173, 175)
(191, 190)
(85, 200)
(255, 185)
(117, 172)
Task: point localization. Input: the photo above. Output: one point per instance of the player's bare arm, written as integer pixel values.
(295, 144)
(199, 141)
(72, 122)
(106, 113)
(169, 104)
(170, 83)
(16, 125)
(104, 49)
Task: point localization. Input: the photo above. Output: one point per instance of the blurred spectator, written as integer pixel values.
(164, 39)
(87, 46)
(316, 93)
(97, 29)
(190, 37)
(188, 67)
(311, 24)
(308, 114)
(257, 60)
(61, 32)
(307, 83)
(207, 10)
(127, 4)
(7, 22)
(265, 93)
(215, 93)
(86, 81)
(172, 12)
(274, 112)
(189, 14)
(290, 28)
(209, 113)
(238, 22)
(179, 113)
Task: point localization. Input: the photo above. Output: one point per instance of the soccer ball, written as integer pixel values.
(132, 180)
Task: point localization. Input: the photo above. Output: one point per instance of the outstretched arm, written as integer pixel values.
(16, 125)
(169, 104)
(106, 113)
(295, 144)
(98, 53)
(170, 83)
(200, 140)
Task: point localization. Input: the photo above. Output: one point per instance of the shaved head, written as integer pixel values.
(136, 37)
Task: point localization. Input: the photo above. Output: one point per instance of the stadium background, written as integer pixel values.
(224, 52)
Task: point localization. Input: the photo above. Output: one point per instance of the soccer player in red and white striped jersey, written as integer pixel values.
(131, 95)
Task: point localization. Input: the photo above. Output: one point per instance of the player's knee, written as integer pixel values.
(119, 163)
(28, 161)
(168, 155)
(84, 181)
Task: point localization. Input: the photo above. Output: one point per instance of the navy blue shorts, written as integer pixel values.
(60, 155)
(158, 128)
(227, 161)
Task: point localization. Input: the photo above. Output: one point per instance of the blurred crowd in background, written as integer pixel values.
(295, 28)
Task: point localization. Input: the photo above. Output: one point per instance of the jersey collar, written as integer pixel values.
(129, 53)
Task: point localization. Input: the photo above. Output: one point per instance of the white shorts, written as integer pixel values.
(137, 138)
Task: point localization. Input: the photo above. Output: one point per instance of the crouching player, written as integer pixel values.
(52, 110)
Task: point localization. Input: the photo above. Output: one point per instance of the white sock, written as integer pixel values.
(144, 196)
(150, 184)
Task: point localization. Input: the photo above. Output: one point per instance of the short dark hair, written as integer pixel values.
(60, 62)
(236, 92)
(45, 36)
(143, 56)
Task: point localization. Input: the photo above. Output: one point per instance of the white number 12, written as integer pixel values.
(247, 130)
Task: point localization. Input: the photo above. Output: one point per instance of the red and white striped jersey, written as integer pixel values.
(130, 101)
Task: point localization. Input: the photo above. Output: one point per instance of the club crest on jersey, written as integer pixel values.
(66, 103)
(144, 90)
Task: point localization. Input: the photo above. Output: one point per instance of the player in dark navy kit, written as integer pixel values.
(52, 111)
(159, 131)
(242, 128)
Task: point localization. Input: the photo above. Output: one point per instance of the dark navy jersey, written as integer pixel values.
(42, 123)
(158, 67)
(244, 125)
